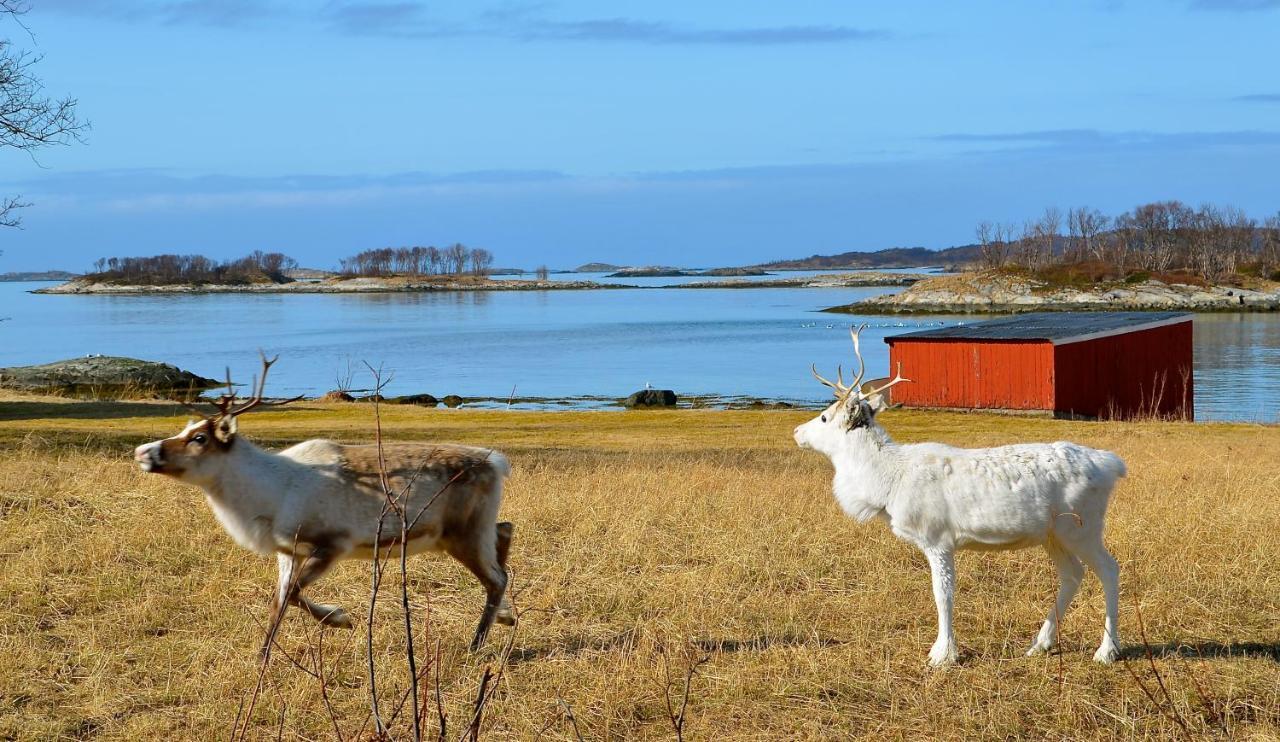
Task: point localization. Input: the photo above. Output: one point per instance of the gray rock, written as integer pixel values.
(652, 398)
(105, 375)
(426, 400)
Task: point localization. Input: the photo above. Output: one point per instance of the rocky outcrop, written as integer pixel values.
(336, 395)
(103, 375)
(424, 400)
(652, 398)
(827, 281)
(656, 271)
(990, 292)
(734, 272)
(363, 285)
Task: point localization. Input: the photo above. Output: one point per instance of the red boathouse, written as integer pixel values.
(1073, 364)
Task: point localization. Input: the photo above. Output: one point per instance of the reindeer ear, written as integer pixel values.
(225, 429)
(861, 414)
(879, 402)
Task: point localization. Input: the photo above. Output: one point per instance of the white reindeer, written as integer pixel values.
(943, 498)
(320, 502)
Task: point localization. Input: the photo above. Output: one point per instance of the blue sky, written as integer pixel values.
(704, 133)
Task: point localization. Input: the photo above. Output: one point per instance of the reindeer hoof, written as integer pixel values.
(1040, 648)
(943, 655)
(1107, 654)
(506, 619)
(337, 618)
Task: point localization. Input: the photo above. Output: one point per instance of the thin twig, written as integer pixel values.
(479, 705)
(1146, 646)
(573, 720)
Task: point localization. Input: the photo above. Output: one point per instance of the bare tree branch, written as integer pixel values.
(29, 120)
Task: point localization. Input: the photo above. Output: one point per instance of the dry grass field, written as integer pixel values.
(646, 543)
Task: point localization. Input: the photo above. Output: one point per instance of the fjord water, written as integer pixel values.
(729, 342)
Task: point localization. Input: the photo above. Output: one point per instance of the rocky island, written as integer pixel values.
(1002, 291)
(104, 377)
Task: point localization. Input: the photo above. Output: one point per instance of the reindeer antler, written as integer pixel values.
(838, 385)
(857, 351)
(897, 379)
(225, 404)
(842, 391)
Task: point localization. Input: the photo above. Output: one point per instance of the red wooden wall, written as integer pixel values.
(994, 374)
(1147, 372)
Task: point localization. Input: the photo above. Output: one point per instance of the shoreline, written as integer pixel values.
(988, 292)
(402, 285)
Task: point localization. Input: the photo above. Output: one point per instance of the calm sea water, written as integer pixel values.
(756, 342)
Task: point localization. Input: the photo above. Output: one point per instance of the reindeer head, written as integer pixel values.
(855, 407)
(193, 454)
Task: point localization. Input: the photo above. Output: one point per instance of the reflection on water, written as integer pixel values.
(1237, 361)
(554, 344)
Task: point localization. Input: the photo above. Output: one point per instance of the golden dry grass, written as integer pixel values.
(642, 539)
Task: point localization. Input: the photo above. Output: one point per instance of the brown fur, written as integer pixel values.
(458, 473)
(174, 450)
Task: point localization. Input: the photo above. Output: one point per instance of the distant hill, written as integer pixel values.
(38, 276)
(894, 257)
(597, 268)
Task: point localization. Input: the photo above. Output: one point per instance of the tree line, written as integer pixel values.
(454, 260)
(1212, 242)
(159, 270)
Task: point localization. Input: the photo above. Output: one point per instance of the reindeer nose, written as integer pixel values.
(147, 455)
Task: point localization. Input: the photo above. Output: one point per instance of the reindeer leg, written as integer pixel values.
(505, 531)
(296, 573)
(320, 561)
(472, 554)
(942, 564)
(286, 564)
(1070, 572)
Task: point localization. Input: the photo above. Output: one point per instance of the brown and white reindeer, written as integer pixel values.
(319, 502)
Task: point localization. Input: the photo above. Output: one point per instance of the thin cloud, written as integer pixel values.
(527, 23)
(218, 13)
(1258, 98)
(1081, 139)
(1235, 6)
(1049, 136)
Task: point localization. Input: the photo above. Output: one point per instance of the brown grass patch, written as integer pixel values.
(644, 542)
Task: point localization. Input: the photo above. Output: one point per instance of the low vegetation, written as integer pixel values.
(1165, 240)
(455, 260)
(165, 270)
(650, 548)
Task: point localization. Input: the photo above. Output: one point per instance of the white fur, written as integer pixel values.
(943, 498)
(266, 500)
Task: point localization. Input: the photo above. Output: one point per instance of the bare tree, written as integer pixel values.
(481, 261)
(1269, 247)
(455, 258)
(1086, 225)
(1047, 230)
(28, 119)
(543, 273)
(995, 250)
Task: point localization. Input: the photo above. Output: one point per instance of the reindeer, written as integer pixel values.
(319, 502)
(943, 498)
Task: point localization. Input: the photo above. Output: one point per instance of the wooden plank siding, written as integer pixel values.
(1139, 373)
(995, 374)
(1147, 372)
